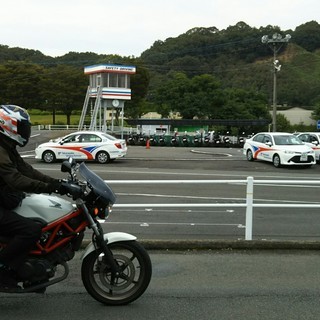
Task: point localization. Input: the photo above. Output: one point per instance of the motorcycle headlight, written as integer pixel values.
(102, 213)
(107, 212)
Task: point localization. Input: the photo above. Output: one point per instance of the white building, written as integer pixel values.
(297, 115)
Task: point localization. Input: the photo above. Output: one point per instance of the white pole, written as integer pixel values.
(249, 216)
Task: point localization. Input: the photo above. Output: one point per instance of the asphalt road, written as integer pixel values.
(222, 285)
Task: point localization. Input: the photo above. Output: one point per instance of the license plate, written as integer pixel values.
(304, 157)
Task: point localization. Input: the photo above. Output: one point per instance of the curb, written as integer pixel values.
(229, 245)
(185, 245)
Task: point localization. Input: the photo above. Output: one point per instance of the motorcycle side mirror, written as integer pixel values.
(66, 166)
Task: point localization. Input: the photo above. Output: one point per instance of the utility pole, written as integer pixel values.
(275, 43)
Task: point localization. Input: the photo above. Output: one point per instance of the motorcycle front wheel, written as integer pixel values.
(130, 284)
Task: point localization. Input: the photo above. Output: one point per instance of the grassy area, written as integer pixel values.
(40, 119)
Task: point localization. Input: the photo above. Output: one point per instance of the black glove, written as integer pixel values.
(55, 186)
(68, 188)
(63, 188)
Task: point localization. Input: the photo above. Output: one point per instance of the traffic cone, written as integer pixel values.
(148, 144)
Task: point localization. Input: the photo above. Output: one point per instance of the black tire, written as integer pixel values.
(48, 156)
(250, 155)
(129, 286)
(103, 157)
(276, 161)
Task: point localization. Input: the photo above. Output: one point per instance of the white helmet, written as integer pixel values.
(15, 124)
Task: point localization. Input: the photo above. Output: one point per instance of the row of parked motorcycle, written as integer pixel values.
(186, 140)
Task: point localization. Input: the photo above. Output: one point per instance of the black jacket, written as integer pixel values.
(17, 176)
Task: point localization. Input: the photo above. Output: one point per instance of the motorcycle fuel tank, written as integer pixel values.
(44, 207)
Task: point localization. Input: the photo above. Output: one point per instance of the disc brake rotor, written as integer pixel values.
(121, 281)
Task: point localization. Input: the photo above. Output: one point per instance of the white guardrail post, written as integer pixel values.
(249, 203)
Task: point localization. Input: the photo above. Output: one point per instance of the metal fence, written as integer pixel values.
(249, 203)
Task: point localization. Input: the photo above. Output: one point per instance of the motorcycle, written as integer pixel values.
(185, 139)
(115, 269)
(241, 141)
(142, 139)
(226, 140)
(207, 140)
(197, 140)
(174, 139)
(131, 140)
(162, 140)
(153, 140)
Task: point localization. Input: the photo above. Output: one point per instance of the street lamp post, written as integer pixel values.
(275, 43)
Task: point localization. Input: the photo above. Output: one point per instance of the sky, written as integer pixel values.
(129, 27)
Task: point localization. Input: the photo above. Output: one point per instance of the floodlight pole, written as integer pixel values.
(275, 43)
(274, 96)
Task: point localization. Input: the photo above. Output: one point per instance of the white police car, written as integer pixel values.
(83, 145)
(280, 148)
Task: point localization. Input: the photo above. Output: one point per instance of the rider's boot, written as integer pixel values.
(7, 279)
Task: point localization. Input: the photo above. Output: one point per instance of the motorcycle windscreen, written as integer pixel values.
(99, 186)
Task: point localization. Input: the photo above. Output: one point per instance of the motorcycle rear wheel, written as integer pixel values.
(136, 270)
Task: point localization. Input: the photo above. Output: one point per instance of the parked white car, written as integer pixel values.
(279, 148)
(83, 145)
(311, 139)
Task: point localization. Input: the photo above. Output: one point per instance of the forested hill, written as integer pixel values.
(230, 59)
(206, 47)
(239, 59)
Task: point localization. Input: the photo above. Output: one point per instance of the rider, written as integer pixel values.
(17, 177)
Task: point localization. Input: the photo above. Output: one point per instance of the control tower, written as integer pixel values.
(109, 88)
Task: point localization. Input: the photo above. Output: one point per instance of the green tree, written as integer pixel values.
(283, 124)
(308, 35)
(202, 97)
(244, 104)
(170, 94)
(139, 89)
(19, 83)
(205, 98)
(23, 55)
(199, 97)
(64, 89)
(188, 64)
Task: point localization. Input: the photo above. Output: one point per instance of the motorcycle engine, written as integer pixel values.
(36, 270)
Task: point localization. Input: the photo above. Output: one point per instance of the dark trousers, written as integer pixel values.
(24, 233)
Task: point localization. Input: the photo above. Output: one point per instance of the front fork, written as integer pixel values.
(99, 241)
